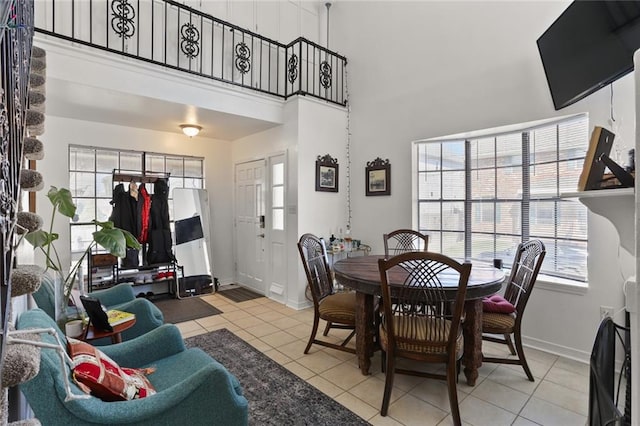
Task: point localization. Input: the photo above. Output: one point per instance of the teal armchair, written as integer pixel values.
(192, 388)
(121, 297)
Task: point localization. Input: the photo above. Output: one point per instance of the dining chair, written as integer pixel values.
(337, 309)
(526, 265)
(420, 320)
(403, 241)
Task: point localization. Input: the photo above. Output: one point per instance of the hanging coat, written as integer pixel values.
(124, 216)
(160, 244)
(144, 207)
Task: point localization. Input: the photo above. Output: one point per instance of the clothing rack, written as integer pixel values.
(143, 177)
(131, 176)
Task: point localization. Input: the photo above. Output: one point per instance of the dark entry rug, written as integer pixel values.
(239, 294)
(180, 310)
(276, 396)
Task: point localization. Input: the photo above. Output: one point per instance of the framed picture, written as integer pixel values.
(327, 174)
(378, 177)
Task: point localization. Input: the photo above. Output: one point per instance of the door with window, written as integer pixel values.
(250, 224)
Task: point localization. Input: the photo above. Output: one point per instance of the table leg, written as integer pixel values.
(116, 338)
(364, 331)
(472, 329)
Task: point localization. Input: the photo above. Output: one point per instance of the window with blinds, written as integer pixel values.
(479, 197)
(91, 183)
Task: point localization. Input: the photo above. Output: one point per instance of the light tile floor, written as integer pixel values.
(502, 395)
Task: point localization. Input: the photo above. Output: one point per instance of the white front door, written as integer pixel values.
(250, 225)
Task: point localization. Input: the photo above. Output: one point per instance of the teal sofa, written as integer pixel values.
(192, 388)
(121, 297)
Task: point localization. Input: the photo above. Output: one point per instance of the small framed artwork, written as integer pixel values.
(378, 177)
(327, 174)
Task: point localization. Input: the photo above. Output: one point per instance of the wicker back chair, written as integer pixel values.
(337, 309)
(403, 241)
(421, 321)
(526, 265)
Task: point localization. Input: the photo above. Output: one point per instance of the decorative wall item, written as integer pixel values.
(327, 174)
(378, 177)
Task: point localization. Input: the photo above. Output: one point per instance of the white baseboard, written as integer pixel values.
(555, 349)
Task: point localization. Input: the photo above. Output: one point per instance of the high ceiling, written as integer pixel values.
(72, 100)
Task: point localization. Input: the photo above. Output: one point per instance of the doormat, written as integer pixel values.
(181, 310)
(276, 396)
(239, 294)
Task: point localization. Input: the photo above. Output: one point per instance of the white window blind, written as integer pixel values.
(478, 198)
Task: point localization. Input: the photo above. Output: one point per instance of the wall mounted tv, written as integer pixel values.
(588, 47)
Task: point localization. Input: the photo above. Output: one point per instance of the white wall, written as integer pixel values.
(311, 128)
(61, 132)
(282, 21)
(426, 69)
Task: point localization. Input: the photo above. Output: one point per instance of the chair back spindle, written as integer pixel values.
(404, 241)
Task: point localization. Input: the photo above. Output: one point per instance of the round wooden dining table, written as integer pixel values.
(362, 275)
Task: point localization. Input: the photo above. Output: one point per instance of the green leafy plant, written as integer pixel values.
(114, 240)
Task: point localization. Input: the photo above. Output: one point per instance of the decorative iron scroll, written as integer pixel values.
(243, 57)
(292, 68)
(190, 40)
(325, 74)
(122, 21)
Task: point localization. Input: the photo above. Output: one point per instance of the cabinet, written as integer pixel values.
(104, 272)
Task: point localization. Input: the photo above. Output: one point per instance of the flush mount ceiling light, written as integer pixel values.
(190, 130)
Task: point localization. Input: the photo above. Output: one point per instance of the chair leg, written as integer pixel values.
(507, 339)
(453, 394)
(523, 360)
(314, 330)
(388, 384)
(327, 328)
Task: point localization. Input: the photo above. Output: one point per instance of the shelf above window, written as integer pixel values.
(617, 205)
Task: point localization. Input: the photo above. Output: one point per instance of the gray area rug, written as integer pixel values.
(180, 310)
(239, 294)
(276, 396)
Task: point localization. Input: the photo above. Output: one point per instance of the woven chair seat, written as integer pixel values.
(339, 307)
(432, 335)
(496, 323)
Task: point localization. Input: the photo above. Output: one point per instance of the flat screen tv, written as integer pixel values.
(588, 47)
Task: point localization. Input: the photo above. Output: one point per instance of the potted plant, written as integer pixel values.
(114, 240)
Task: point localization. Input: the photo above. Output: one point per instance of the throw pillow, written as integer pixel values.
(497, 304)
(99, 375)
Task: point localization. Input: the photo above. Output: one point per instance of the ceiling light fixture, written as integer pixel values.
(190, 130)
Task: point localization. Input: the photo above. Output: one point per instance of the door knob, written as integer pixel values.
(261, 235)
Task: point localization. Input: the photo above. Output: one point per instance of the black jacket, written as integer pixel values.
(160, 243)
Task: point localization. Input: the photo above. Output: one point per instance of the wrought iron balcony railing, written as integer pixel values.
(173, 35)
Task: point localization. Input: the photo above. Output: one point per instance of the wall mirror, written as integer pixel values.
(193, 248)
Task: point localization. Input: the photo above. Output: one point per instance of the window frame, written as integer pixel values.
(423, 165)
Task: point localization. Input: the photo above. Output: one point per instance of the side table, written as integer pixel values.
(91, 333)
